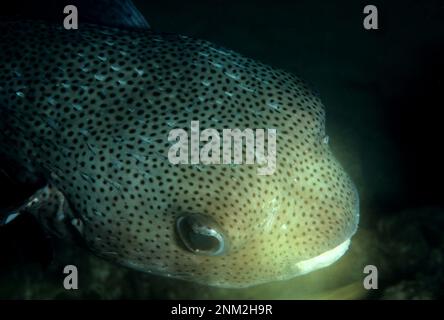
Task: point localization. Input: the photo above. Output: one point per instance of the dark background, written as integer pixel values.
(383, 92)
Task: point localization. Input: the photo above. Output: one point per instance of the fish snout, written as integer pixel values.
(328, 220)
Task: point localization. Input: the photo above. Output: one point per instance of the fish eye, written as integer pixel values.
(201, 235)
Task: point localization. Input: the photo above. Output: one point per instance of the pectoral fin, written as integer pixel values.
(51, 209)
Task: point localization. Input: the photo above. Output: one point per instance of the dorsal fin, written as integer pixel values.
(111, 13)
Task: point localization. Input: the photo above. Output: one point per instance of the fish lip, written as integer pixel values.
(322, 260)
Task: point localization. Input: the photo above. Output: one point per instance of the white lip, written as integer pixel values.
(300, 268)
(323, 260)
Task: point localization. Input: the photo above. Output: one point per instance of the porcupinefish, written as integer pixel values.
(88, 112)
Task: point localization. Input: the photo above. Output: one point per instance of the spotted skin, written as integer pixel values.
(90, 111)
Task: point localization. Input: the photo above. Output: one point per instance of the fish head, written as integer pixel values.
(235, 228)
(227, 225)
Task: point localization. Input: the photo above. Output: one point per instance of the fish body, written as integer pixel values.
(89, 112)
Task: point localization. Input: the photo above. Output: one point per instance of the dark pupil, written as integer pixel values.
(202, 242)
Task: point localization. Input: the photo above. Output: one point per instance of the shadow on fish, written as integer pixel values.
(88, 112)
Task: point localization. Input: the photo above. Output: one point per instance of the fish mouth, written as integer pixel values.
(321, 261)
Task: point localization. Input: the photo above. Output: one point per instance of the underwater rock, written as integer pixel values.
(407, 290)
(413, 254)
